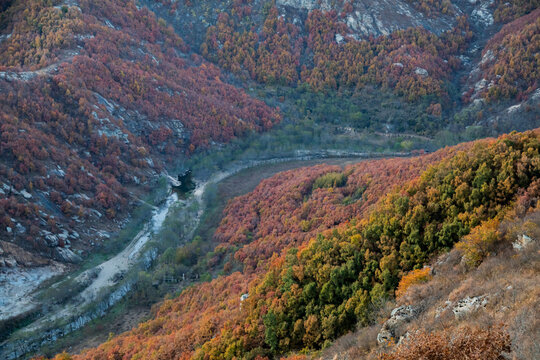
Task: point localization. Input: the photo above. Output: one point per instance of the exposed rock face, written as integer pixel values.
(17, 285)
(400, 315)
(482, 13)
(306, 4)
(380, 17)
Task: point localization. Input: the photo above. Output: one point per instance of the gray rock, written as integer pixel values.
(399, 316)
(51, 240)
(421, 71)
(369, 17)
(66, 255)
(523, 241)
(469, 305)
(26, 194)
(20, 229)
(10, 262)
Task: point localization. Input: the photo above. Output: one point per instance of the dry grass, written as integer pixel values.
(510, 279)
(454, 344)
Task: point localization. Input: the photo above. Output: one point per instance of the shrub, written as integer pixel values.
(330, 180)
(414, 277)
(475, 246)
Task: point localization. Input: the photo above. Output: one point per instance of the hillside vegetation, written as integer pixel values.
(103, 103)
(306, 296)
(96, 98)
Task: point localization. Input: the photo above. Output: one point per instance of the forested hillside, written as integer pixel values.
(316, 288)
(100, 98)
(96, 97)
(104, 103)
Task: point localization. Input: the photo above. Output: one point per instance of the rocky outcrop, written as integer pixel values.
(66, 255)
(379, 17)
(11, 253)
(463, 307)
(522, 242)
(469, 305)
(421, 71)
(398, 316)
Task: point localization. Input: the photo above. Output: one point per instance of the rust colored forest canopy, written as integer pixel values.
(95, 98)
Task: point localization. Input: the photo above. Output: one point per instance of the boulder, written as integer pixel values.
(10, 262)
(52, 240)
(421, 71)
(66, 255)
(399, 316)
(523, 241)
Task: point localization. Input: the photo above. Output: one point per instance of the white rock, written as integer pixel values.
(522, 242)
(512, 109)
(20, 229)
(26, 194)
(482, 14)
(398, 316)
(421, 71)
(488, 56)
(469, 304)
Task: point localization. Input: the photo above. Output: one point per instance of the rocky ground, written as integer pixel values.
(503, 289)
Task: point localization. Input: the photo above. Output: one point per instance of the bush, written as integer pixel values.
(330, 180)
(476, 246)
(414, 277)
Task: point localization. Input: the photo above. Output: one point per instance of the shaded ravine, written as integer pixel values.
(103, 283)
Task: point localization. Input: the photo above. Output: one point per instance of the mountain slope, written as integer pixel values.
(310, 294)
(96, 98)
(433, 58)
(100, 100)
